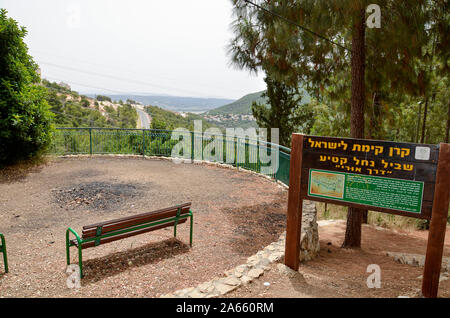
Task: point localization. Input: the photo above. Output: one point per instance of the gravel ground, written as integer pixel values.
(235, 215)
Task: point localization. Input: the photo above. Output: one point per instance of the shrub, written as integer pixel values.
(25, 119)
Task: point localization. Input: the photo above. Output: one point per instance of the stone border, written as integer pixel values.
(417, 260)
(256, 264)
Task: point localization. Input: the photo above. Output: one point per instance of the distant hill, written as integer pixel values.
(243, 106)
(176, 103)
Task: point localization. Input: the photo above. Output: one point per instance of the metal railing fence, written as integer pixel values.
(241, 152)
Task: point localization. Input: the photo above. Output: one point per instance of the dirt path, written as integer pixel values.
(340, 272)
(37, 206)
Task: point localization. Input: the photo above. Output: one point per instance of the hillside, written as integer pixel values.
(239, 113)
(166, 119)
(74, 110)
(243, 106)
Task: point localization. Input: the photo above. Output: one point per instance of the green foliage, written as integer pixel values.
(56, 87)
(102, 98)
(25, 119)
(242, 106)
(164, 119)
(125, 116)
(73, 110)
(286, 112)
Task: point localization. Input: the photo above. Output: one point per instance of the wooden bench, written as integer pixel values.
(3, 250)
(113, 230)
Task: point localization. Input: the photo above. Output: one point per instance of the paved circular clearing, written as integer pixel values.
(235, 215)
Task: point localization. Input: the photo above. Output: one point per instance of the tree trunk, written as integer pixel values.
(448, 124)
(419, 115)
(424, 124)
(354, 216)
(374, 129)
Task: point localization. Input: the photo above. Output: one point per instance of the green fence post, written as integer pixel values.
(192, 146)
(143, 142)
(90, 141)
(236, 144)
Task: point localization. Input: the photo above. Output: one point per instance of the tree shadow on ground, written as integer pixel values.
(18, 172)
(113, 264)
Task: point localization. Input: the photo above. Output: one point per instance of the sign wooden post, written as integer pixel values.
(436, 234)
(397, 178)
(295, 203)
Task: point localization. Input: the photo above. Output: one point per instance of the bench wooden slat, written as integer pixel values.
(129, 234)
(127, 218)
(122, 223)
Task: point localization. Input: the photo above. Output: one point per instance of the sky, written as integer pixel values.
(175, 47)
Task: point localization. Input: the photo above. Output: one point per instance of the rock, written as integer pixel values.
(245, 279)
(255, 272)
(241, 268)
(224, 288)
(196, 294)
(284, 270)
(442, 278)
(206, 288)
(238, 274)
(275, 257)
(232, 281)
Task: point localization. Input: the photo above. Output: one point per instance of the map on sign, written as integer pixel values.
(327, 184)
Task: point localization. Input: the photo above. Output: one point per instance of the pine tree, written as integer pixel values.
(382, 62)
(285, 112)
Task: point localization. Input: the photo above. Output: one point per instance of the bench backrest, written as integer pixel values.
(90, 231)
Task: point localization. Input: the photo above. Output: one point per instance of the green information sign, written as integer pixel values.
(389, 193)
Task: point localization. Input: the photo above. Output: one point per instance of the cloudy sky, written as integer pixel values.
(175, 47)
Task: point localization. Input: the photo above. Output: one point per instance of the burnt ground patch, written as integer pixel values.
(96, 195)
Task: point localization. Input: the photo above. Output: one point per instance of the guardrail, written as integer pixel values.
(237, 151)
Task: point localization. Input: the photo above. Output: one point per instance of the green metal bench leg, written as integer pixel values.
(80, 261)
(67, 248)
(80, 253)
(3, 249)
